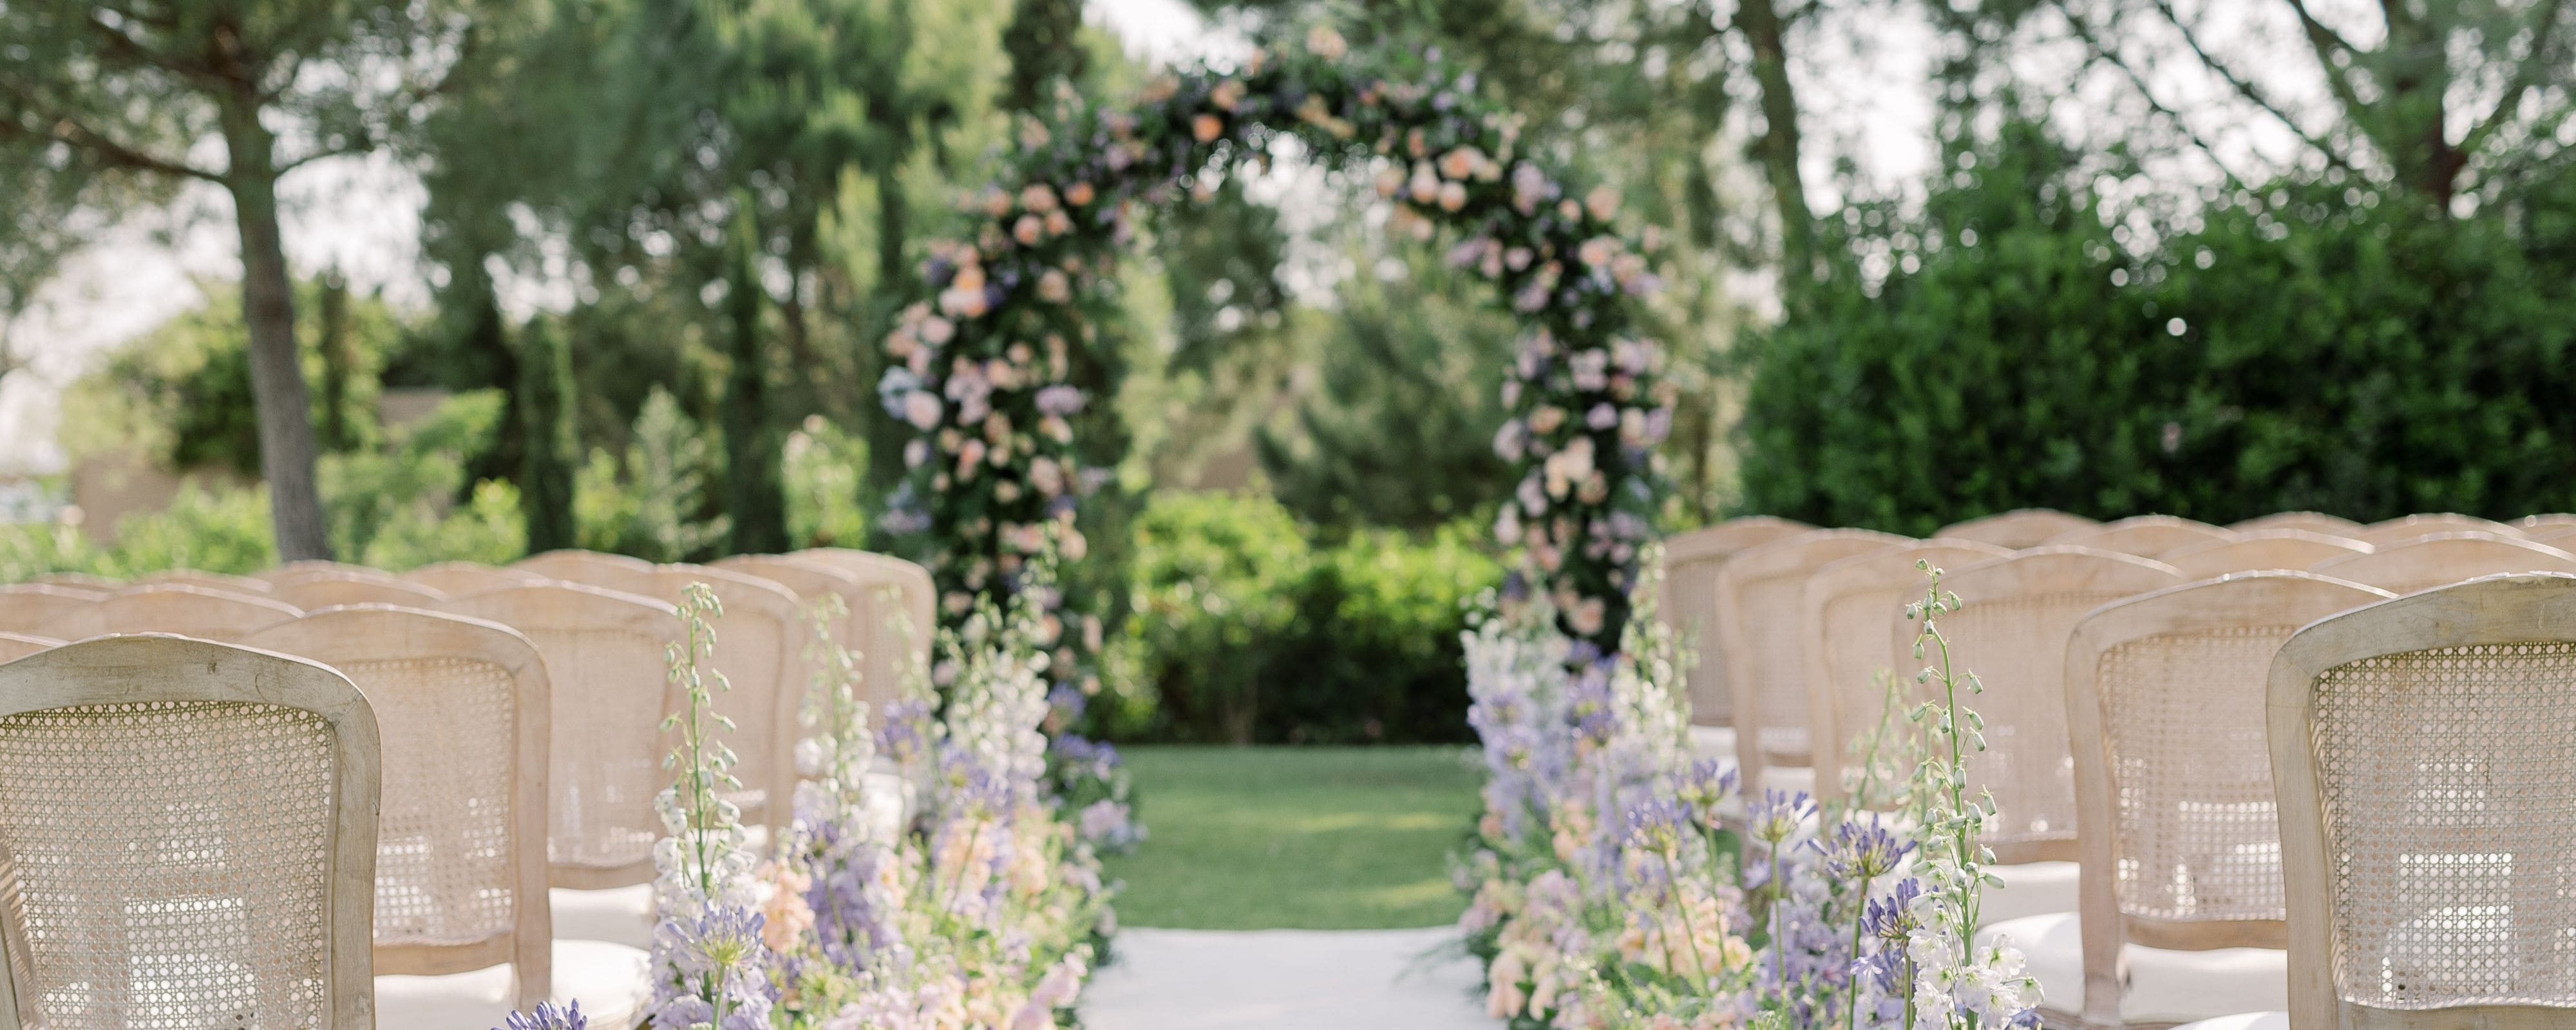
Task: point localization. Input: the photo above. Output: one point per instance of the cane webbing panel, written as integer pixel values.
(443, 861)
(1692, 588)
(2017, 648)
(2447, 781)
(172, 861)
(2198, 833)
(1770, 617)
(610, 692)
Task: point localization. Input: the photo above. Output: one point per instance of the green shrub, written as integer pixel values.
(1245, 630)
(2316, 346)
(825, 467)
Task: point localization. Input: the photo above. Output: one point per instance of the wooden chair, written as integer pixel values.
(315, 590)
(1760, 631)
(2180, 888)
(2147, 536)
(188, 832)
(760, 647)
(1848, 612)
(2554, 522)
(82, 581)
(2426, 562)
(810, 581)
(459, 578)
(2017, 616)
(890, 649)
(2559, 537)
(2308, 521)
(14, 646)
(199, 578)
(2262, 549)
(168, 608)
(606, 668)
(28, 607)
(463, 929)
(2427, 792)
(2017, 529)
(2399, 530)
(578, 566)
(1689, 604)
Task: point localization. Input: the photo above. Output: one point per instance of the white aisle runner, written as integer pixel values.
(1287, 980)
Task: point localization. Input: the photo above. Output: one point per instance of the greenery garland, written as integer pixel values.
(986, 371)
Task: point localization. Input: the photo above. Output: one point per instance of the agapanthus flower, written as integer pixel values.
(547, 1017)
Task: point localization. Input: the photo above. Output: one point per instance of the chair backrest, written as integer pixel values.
(2016, 529)
(199, 578)
(1848, 612)
(2262, 549)
(2551, 522)
(2396, 530)
(459, 578)
(606, 668)
(2308, 521)
(1689, 602)
(14, 646)
(889, 647)
(78, 581)
(810, 581)
(2173, 785)
(2147, 536)
(461, 840)
(760, 647)
(305, 567)
(1758, 628)
(312, 590)
(165, 608)
(30, 607)
(578, 566)
(2555, 536)
(2426, 562)
(2427, 794)
(2016, 617)
(187, 838)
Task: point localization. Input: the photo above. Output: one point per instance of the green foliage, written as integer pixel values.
(1246, 630)
(654, 503)
(393, 508)
(218, 530)
(548, 492)
(2316, 346)
(824, 465)
(752, 493)
(182, 390)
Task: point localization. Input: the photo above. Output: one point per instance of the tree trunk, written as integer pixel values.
(1778, 148)
(339, 363)
(286, 444)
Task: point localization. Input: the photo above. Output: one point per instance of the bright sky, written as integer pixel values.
(1862, 80)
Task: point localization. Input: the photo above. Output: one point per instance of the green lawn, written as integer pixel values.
(1306, 837)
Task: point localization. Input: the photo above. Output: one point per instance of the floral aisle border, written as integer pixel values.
(984, 908)
(1619, 884)
(985, 371)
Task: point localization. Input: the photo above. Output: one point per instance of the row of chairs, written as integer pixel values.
(2122, 705)
(515, 706)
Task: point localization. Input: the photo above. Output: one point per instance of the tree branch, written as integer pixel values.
(2526, 76)
(2246, 88)
(2327, 43)
(2107, 55)
(64, 129)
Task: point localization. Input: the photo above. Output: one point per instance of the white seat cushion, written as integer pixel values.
(2243, 1021)
(2030, 889)
(2164, 986)
(1716, 742)
(619, 915)
(608, 979)
(1789, 779)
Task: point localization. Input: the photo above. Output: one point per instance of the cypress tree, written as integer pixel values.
(551, 450)
(754, 496)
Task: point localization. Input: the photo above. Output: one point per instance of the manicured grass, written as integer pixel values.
(1312, 838)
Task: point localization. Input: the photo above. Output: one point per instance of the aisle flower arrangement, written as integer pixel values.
(1617, 883)
(984, 909)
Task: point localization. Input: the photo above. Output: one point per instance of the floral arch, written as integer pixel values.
(985, 371)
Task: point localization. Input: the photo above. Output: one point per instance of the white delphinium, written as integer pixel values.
(837, 747)
(709, 965)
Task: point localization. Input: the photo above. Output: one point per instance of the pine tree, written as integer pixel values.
(754, 494)
(552, 450)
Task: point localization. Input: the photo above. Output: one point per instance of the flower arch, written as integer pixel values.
(985, 370)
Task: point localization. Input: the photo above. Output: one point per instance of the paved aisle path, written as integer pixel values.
(1286, 980)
